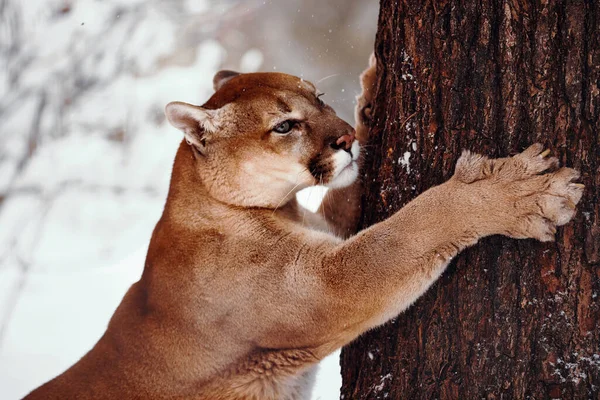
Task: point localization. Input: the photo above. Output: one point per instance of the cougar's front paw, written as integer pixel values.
(364, 101)
(529, 202)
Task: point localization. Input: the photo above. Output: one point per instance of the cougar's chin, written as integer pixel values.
(345, 167)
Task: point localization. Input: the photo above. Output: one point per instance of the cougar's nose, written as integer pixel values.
(344, 141)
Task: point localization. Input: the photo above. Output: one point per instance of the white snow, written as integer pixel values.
(311, 197)
(405, 161)
(58, 318)
(251, 60)
(382, 382)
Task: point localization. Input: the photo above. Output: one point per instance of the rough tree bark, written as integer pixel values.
(508, 319)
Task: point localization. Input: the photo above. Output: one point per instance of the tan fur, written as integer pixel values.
(363, 113)
(244, 291)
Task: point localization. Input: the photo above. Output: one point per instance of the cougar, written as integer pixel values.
(244, 291)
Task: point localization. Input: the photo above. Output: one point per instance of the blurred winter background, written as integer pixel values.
(86, 154)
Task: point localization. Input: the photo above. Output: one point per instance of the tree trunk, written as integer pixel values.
(508, 319)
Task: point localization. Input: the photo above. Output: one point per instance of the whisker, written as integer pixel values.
(305, 209)
(284, 197)
(327, 77)
(323, 202)
(291, 190)
(330, 205)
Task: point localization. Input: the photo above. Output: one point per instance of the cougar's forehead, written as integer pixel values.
(260, 87)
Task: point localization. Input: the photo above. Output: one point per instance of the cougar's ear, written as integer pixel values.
(195, 122)
(222, 77)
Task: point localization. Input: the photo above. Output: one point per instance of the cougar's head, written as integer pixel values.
(262, 137)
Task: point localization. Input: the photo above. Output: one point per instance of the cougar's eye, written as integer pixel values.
(284, 127)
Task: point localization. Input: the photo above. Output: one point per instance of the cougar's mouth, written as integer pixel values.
(338, 170)
(321, 168)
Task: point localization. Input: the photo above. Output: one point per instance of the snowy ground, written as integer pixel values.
(86, 155)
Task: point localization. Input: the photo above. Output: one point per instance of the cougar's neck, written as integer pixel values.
(188, 197)
(190, 202)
